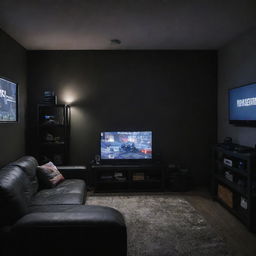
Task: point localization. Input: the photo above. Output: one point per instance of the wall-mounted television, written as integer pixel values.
(242, 105)
(8, 101)
(126, 145)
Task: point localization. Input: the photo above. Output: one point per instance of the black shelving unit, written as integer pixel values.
(127, 177)
(53, 132)
(234, 183)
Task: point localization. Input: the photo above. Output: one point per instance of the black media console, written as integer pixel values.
(128, 177)
(234, 182)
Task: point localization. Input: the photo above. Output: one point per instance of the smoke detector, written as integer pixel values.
(115, 41)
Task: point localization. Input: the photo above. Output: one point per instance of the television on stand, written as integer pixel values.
(117, 147)
(242, 105)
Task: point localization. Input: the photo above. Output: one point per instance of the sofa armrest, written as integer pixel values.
(99, 233)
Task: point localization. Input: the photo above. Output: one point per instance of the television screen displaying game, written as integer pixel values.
(126, 145)
(242, 104)
(8, 101)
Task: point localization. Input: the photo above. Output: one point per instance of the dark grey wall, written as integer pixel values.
(172, 93)
(236, 67)
(13, 66)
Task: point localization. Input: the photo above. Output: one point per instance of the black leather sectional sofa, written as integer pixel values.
(54, 221)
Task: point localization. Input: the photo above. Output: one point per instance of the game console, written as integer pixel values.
(228, 162)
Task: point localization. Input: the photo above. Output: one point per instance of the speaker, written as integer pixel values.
(97, 159)
(50, 98)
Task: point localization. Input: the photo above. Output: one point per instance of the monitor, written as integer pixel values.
(126, 145)
(8, 101)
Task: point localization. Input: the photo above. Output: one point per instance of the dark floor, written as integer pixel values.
(240, 241)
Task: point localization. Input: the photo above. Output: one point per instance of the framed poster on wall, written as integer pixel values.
(8, 101)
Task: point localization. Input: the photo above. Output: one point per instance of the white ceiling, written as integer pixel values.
(139, 24)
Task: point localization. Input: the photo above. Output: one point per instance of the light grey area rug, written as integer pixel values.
(163, 225)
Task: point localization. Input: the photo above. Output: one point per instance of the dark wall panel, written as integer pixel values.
(172, 93)
(236, 65)
(13, 66)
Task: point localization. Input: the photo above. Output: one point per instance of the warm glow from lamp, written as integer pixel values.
(69, 99)
(69, 96)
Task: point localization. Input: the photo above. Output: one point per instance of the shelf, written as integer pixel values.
(242, 172)
(232, 185)
(111, 181)
(244, 156)
(46, 126)
(53, 122)
(125, 166)
(152, 176)
(246, 174)
(53, 143)
(236, 170)
(53, 106)
(146, 181)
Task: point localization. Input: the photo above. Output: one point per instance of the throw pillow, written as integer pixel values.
(48, 175)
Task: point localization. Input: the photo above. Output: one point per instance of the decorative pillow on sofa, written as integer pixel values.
(48, 175)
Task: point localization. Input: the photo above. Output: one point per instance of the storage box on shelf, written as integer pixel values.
(233, 183)
(225, 195)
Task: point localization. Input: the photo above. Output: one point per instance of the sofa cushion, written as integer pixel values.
(15, 194)
(28, 164)
(49, 176)
(70, 191)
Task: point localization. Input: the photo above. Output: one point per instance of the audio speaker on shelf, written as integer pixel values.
(50, 98)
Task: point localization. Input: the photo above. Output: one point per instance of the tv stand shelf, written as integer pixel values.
(128, 177)
(234, 183)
